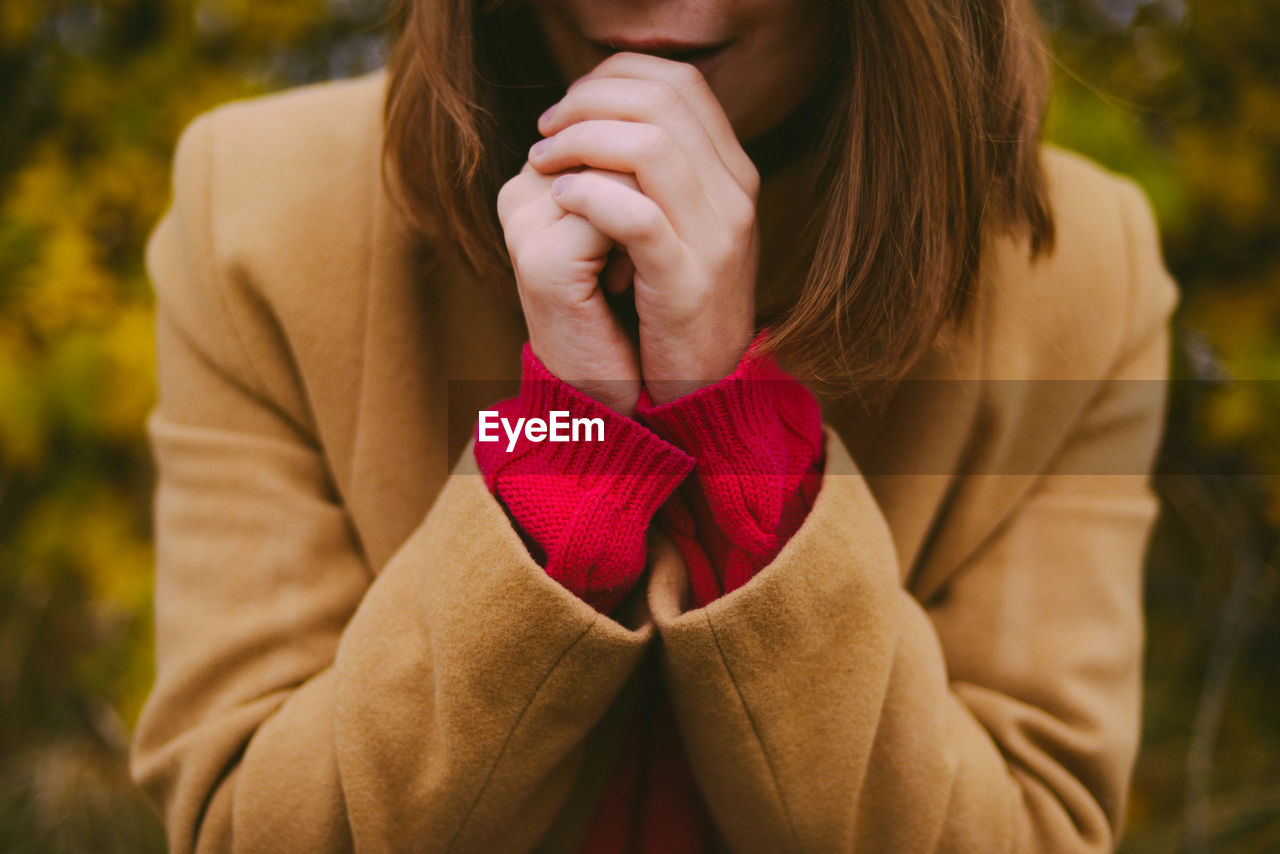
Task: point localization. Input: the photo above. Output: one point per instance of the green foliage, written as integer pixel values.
(96, 91)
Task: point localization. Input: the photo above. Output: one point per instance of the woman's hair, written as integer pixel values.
(928, 144)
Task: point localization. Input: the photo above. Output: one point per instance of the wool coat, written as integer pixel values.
(355, 650)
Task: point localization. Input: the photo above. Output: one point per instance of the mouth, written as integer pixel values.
(701, 56)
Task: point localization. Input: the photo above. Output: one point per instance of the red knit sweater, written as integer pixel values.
(754, 444)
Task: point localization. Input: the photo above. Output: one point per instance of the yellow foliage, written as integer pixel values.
(1227, 171)
(22, 410)
(1240, 321)
(40, 191)
(93, 532)
(1261, 103)
(66, 287)
(1273, 504)
(128, 348)
(1231, 415)
(18, 20)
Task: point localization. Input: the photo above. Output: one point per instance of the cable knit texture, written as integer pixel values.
(581, 507)
(757, 439)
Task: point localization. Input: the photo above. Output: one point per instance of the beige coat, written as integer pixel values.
(354, 649)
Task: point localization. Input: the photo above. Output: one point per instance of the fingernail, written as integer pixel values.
(546, 116)
(538, 148)
(559, 185)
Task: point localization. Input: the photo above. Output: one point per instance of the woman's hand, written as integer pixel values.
(687, 221)
(558, 258)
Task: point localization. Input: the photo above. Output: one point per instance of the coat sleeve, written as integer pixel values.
(824, 708)
(303, 701)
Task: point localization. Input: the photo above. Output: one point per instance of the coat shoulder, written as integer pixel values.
(265, 257)
(285, 190)
(295, 166)
(298, 135)
(1077, 183)
(1071, 312)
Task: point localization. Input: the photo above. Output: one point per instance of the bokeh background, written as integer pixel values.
(1183, 96)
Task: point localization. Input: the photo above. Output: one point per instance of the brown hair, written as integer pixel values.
(930, 143)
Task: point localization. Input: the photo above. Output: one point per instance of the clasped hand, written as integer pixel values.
(638, 158)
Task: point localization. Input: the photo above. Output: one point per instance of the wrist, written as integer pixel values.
(673, 371)
(735, 425)
(612, 380)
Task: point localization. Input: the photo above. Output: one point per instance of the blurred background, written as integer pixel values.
(1183, 96)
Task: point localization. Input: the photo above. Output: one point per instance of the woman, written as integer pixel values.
(904, 619)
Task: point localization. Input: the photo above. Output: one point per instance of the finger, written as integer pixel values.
(693, 88)
(570, 253)
(543, 231)
(626, 215)
(660, 166)
(589, 241)
(520, 189)
(653, 102)
(525, 205)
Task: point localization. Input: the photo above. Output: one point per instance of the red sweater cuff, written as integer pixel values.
(581, 504)
(757, 439)
(759, 420)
